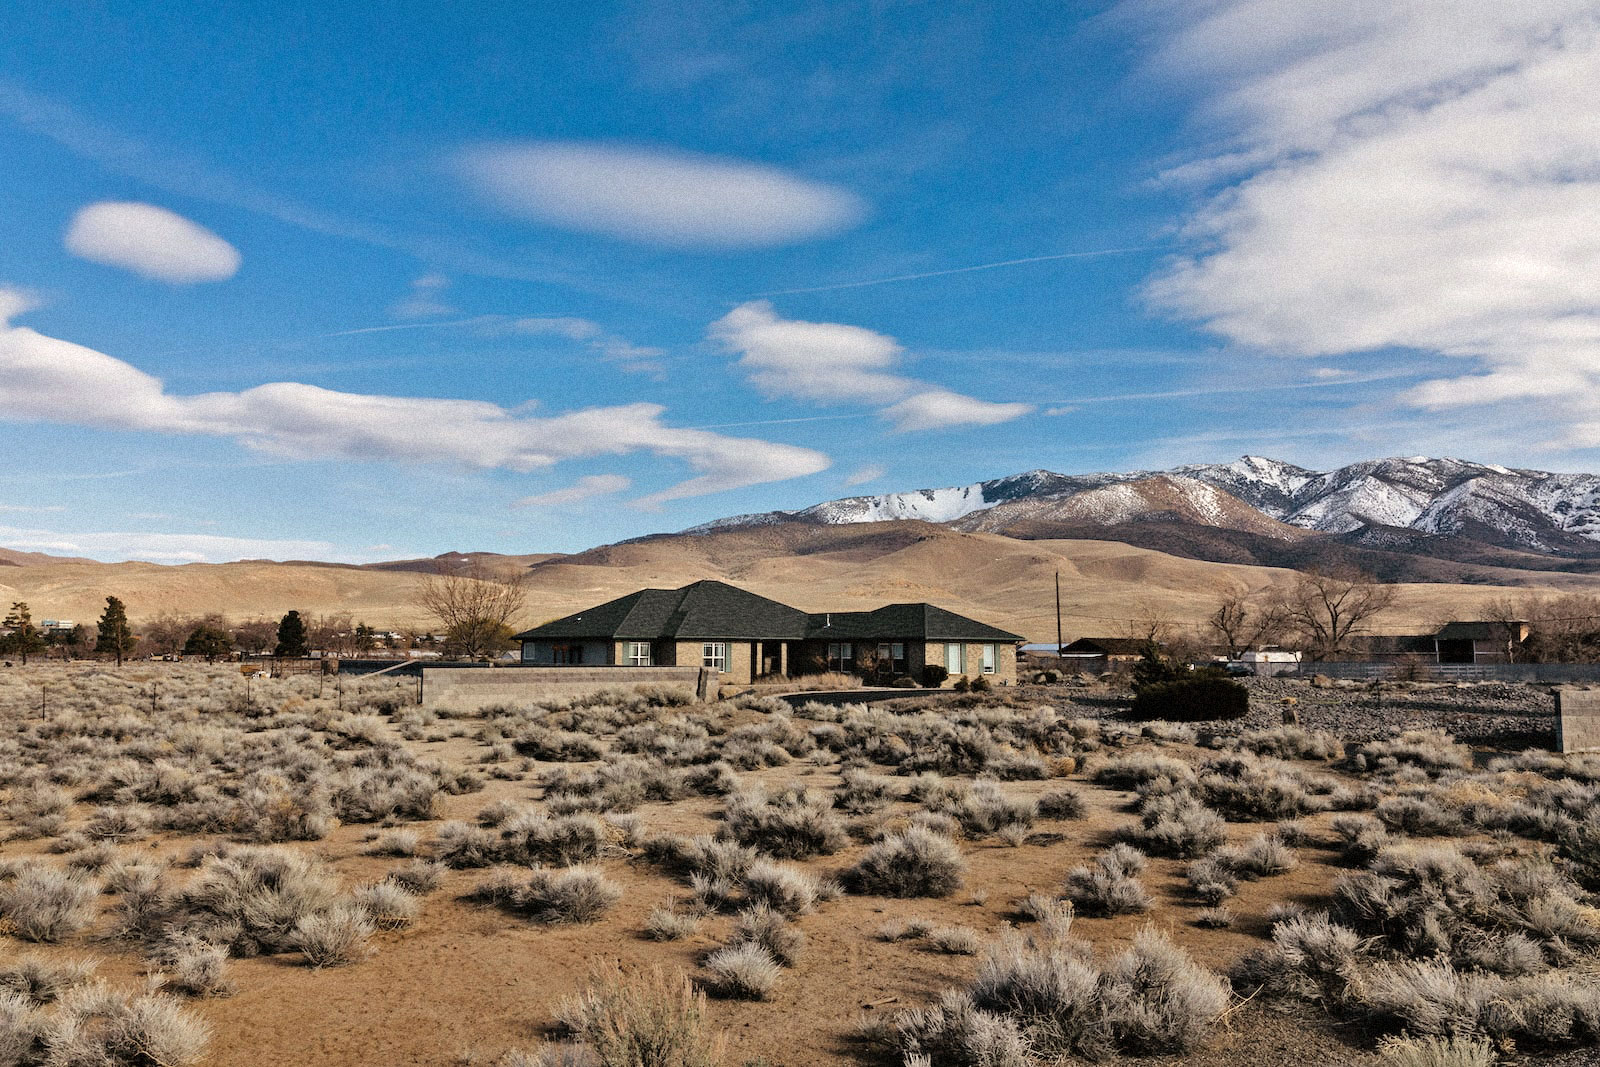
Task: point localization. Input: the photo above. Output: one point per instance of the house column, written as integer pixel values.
(783, 658)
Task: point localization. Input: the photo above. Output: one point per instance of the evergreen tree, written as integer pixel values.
(116, 636)
(24, 636)
(292, 636)
(208, 641)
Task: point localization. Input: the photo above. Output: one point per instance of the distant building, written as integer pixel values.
(1095, 654)
(744, 637)
(1480, 642)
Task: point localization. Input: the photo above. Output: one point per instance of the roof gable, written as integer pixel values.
(702, 609)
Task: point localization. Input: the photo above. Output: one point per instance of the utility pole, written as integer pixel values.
(1058, 615)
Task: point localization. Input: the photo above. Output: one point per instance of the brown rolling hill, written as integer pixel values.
(1106, 584)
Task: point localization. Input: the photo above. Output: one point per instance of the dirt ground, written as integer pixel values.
(465, 982)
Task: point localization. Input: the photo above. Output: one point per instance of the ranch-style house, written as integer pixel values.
(744, 637)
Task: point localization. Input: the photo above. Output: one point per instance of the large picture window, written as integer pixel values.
(639, 654)
(955, 658)
(566, 655)
(714, 654)
(841, 657)
(989, 658)
(892, 657)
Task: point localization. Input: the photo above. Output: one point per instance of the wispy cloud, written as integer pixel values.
(960, 270)
(24, 509)
(45, 378)
(585, 488)
(161, 547)
(150, 241)
(836, 363)
(871, 472)
(631, 357)
(656, 196)
(425, 300)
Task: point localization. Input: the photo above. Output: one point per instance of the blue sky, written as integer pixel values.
(357, 282)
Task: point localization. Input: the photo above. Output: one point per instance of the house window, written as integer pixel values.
(955, 658)
(841, 657)
(892, 658)
(566, 655)
(714, 654)
(988, 659)
(639, 654)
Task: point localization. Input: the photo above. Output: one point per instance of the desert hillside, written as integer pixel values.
(1010, 582)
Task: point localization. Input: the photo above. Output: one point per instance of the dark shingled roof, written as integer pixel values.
(704, 609)
(920, 622)
(1479, 631)
(718, 610)
(1108, 646)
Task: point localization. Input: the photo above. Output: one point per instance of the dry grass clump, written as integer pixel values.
(193, 966)
(791, 824)
(419, 877)
(44, 903)
(40, 981)
(95, 1025)
(1437, 1052)
(1177, 825)
(913, 863)
(252, 900)
(1291, 742)
(985, 810)
(1052, 1000)
(558, 746)
(1433, 751)
(787, 890)
(665, 924)
(1249, 788)
(388, 905)
(1142, 768)
(860, 793)
(768, 928)
(334, 937)
(1111, 886)
(744, 971)
(954, 940)
(641, 1020)
(1064, 803)
(573, 895)
(1421, 816)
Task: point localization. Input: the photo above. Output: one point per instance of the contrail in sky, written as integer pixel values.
(961, 270)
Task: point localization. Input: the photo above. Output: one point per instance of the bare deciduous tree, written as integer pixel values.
(474, 605)
(1242, 622)
(1330, 607)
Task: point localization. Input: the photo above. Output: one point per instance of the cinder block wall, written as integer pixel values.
(475, 688)
(1578, 719)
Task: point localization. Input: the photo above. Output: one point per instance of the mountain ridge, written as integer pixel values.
(1541, 512)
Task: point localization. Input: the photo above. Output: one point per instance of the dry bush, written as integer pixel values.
(792, 824)
(533, 838)
(1110, 887)
(419, 877)
(46, 904)
(954, 940)
(1065, 803)
(1433, 751)
(253, 900)
(787, 890)
(334, 937)
(1151, 998)
(1437, 1052)
(1291, 742)
(954, 1030)
(1177, 825)
(860, 793)
(742, 972)
(573, 895)
(94, 1025)
(40, 981)
(642, 1020)
(914, 863)
(768, 928)
(388, 906)
(984, 809)
(702, 855)
(194, 966)
(664, 924)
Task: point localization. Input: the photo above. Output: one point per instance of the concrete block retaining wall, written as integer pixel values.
(1577, 719)
(472, 689)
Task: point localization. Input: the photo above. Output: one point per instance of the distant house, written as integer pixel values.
(1391, 648)
(1480, 642)
(744, 637)
(1100, 653)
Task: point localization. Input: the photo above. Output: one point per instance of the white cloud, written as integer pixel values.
(656, 196)
(871, 472)
(938, 408)
(1416, 175)
(630, 356)
(834, 363)
(590, 485)
(47, 379)
(425, 299)
(24, 509)
(150, 241)
(161, 548)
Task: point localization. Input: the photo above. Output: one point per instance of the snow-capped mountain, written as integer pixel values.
(1524, 509)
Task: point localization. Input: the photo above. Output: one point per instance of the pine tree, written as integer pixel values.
(208, 641)
(24, 636)
(116, 636)
(292, 636)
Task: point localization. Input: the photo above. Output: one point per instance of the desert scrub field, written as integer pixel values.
(190, 878)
